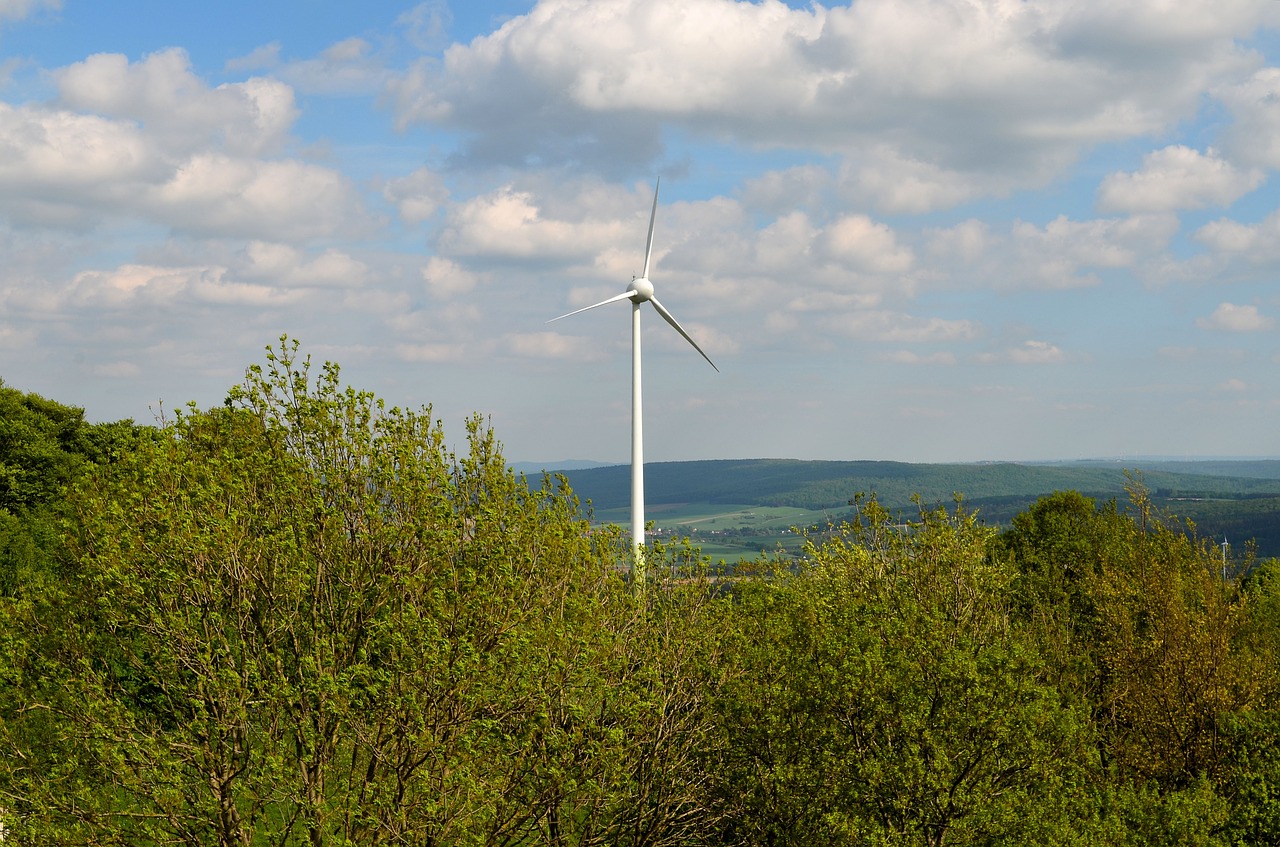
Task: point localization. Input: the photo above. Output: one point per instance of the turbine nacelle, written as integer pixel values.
(641, 290)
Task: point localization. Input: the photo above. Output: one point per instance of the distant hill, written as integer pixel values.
(1238, 498)
(556, 467)
(825, 485)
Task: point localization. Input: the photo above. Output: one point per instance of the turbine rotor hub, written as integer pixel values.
(641, 290)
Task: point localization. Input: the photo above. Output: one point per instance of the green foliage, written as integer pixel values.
(303, 619)
(44, 447)
(882, 696)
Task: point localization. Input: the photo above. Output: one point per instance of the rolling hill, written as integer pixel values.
(1240, 498)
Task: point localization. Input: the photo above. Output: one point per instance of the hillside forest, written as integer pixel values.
(301, 618)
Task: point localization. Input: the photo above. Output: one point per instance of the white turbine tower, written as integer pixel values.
(641, 291)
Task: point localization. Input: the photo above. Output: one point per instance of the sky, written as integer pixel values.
(913, 230)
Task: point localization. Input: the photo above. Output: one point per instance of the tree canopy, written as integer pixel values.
(303, 618)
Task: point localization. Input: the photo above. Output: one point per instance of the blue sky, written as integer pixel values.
(922, 230)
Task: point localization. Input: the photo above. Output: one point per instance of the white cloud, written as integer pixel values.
(263, 57)
(347, 67)
(509, 223)
(862, 244)
(550, 345)
(445, 278)
(965, 242)
(909, 357)
(285, 200)
(16, 338)
(897, 184)
(426, 25)
(117, 370)
(1060, 254)
(1235, 385)
(417, 196)
(935, 100)
(176, 107)
(434, 352)
(131, 286)
(284, 265)
(899, 328)
(19, 9)
(1258, 243)
(53, 156)
(778, 192)
(1229, 317)
(1030, 353)
(162, 146)
(1177, 177)
(1255, 103)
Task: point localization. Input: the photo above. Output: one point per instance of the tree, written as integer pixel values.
(302, 619)
(44, 447)
(882, 696)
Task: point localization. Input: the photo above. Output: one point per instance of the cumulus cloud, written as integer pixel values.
(1177, 177)
(176, 107)
(57, 166)
(1255, 104)
(159, 144)
(965, 242)
(510, 223)
(133, 285)
(939, 100)
(863, 244)
(1064, 252)
(776, 192)
(1258, 243)
(445, 278)
(897, 184)
(281, 199)
(285, 265)
(1229, 317)
(417, 196)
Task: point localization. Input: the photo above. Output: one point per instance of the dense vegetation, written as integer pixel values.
(300, 619)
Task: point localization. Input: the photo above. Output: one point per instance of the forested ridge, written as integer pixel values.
(1239, 500)
(300, 618)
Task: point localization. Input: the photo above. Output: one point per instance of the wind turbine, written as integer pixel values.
(639, 292)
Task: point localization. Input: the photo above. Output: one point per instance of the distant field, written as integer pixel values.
(732, 532)
(706, 517)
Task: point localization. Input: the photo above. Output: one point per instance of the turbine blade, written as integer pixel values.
(666, 316)
(653, 216)
(626, 295)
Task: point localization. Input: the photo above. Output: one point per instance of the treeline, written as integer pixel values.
(827, 485)
(1245, 508)
(300, 618)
